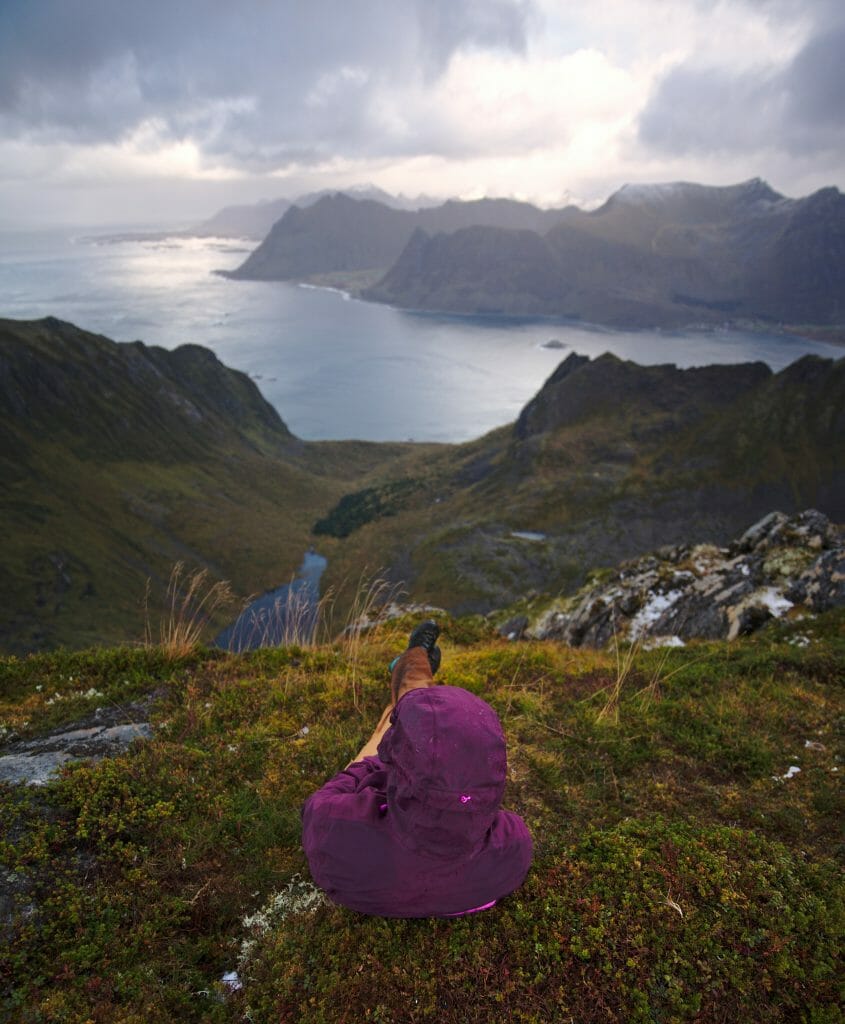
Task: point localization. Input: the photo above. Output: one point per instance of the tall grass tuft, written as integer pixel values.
(191, 602)
(624, 663)
(295, 620)
(370, 610)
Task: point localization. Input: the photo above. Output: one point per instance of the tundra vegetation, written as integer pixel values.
(684, 870)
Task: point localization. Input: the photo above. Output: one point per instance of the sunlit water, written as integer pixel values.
(333, 367)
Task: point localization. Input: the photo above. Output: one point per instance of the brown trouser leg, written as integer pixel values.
(411, 671)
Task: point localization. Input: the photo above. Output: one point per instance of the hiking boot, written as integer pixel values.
(425, 635)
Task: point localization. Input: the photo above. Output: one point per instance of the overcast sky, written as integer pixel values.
(159, 110)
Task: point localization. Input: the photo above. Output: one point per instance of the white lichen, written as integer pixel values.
(651, 611)
(791, 771)
(663, 641)
(298, 897)
(772, 599)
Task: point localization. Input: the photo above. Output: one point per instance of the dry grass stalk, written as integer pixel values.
(624, 664)
(367, 615)
(192, 600)
(294, 620)
(512, 684)
(651, 691)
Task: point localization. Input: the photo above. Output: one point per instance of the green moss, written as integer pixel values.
(677, 876)
(651, 920)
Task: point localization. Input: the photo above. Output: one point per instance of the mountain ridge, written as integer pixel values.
(123, 459)
(664, 257)
(340, 233)
(608, 461)
(120, 460)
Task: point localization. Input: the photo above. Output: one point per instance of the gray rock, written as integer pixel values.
(105, 733)
(514, 629)
(35, 762)
(683, 593)
(822, 585)
(32, 769)
(757, 535)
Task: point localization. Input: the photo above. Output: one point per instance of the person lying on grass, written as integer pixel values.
(413, 826)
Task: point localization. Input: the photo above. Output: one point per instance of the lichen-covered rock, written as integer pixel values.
(822, 585)
(514, 628)
(705, 592)
(106, 733)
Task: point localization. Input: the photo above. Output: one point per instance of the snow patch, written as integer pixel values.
(651, 611)
(791, 771)
(773, 599)
(649, 192)
(663, 641)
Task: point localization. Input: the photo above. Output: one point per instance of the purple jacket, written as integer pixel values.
(418, 831)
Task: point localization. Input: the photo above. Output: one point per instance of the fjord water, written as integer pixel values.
(334, 367)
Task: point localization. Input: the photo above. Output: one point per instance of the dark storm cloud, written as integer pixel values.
(256, 83)
(798, 108)
(815, 83)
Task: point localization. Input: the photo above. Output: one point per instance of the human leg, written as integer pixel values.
(416, 667)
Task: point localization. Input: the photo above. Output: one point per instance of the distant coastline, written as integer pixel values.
(351, 286)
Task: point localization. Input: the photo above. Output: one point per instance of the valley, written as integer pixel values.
(125, 459)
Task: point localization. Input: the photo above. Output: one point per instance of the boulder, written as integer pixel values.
(683, 593)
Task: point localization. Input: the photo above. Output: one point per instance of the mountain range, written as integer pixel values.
(341, 234)
(254, 220)
(121, 459)
(651, 256)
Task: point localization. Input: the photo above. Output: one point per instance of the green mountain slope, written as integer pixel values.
(608, 461)
(119, 460)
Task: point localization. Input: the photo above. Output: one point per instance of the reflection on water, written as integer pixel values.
(334, 368)
(286, 615)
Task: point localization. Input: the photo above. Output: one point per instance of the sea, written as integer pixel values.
(334, 367)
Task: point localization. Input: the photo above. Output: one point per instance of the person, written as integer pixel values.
(413, 826)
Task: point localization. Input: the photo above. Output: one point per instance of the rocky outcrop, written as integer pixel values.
(109, 731)
(782, 563)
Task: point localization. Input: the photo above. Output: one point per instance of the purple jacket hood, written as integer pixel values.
(446, 769)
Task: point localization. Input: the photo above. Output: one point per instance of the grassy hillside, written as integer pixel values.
(609, 460)
(120, 460)
(124, 459)
(679, 875)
